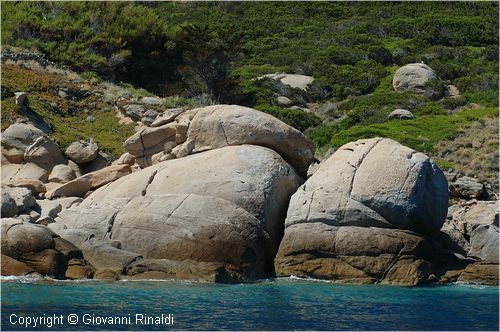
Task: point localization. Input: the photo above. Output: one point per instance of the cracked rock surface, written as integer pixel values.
(222, 209)
(376, 195)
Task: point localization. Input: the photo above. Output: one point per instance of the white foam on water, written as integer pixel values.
(36, 279)
(470, 285)
(308, 279)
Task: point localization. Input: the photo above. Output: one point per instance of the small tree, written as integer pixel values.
(208, 57)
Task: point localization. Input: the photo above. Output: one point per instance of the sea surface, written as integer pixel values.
(284, 304)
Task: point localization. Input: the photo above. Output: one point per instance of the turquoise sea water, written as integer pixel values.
(269, 305)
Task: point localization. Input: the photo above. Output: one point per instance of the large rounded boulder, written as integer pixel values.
(33, 246)
(219, 212)
(366, 206)
(375, 182)
(28, 153)
(413, 77)
(222, 125)
(17, 138)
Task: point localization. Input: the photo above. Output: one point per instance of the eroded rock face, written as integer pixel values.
(28, 248)
(222, 125)
(355, 220)
(35, 186)
(90, 181)
(169, 226)
(193, 208)
(31, 171)
(413, 77)
(473, 229)
(465, 187)
(61, 174)
(179, 133)
(484, 243)
(353, 254)
(13, 267)
(30, 154)
(32, 245)
(486, 273)
(150, 140)
(167, 116)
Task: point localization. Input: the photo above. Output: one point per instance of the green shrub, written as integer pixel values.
(296, 118)
(421, 134)
(451, 103)
(91, 75)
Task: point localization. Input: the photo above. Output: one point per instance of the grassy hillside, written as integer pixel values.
(212, 52)
(89, 114)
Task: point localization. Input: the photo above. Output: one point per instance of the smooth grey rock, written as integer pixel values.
(169, 226)
(401, 114)
(49, 208)
(150, 140)
(19, 238)
(33, 245)
(100, 253)
(15, 172)
(466, 187)
(452, 91)
(90, 181)
(353, 254)
(353, 187)
(413, 77)
(284, 101)
(82, 152)
(100, 162)
(154, 101)
(61, 174)
(297, 81)
(20, 136)
(126, 158)
(35, 186)
(484, 243)
(472, 227)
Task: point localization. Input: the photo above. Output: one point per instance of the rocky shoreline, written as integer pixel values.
(220, 194)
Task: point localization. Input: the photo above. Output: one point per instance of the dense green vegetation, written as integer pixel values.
(347, 46)
(210, 52)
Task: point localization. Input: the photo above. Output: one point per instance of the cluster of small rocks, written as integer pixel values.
(144, 110)
(179, 133)
(27, 56)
